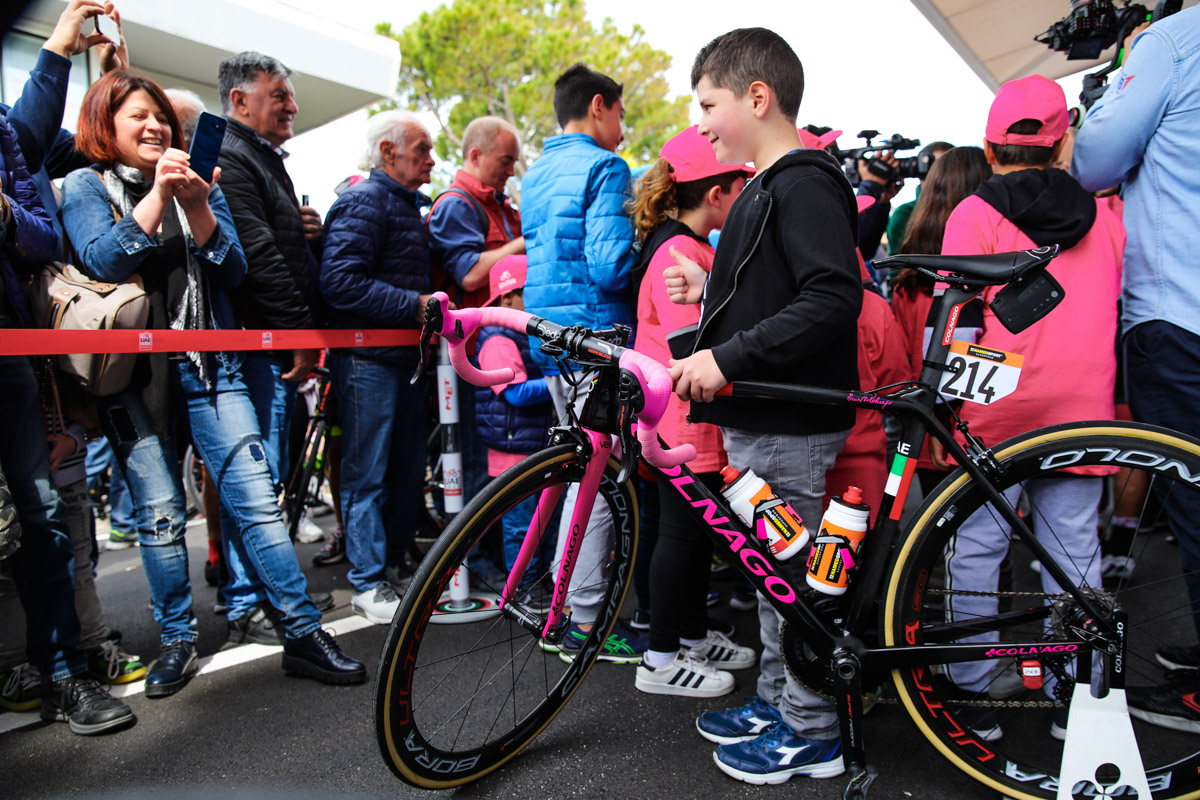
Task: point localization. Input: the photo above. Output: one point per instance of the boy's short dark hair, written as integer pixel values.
(1023, 155)
(737, 59)
(575, 88)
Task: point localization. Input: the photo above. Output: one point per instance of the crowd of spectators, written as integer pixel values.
(787, 293)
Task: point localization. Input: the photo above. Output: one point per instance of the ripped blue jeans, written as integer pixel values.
(225, 432)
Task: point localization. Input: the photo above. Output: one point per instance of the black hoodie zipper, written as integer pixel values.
(736, 272)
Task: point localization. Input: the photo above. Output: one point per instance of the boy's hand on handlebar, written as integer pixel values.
(697, 377)
(685, 281)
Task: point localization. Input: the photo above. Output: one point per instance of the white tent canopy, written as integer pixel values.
(995, 37)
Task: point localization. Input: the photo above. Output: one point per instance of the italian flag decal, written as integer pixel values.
(899, 479)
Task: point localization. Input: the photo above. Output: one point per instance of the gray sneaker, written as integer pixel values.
(378, 605)
(400, 575)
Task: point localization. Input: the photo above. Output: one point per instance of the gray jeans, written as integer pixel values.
(794, 466)
(590, 579)
(77, 513)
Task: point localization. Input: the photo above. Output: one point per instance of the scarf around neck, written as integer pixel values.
(126, 187)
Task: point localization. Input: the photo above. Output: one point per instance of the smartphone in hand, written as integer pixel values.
(206, 144)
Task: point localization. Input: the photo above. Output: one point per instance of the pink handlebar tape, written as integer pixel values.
(459, 325)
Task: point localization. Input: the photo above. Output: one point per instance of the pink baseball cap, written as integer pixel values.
(507, 275)
(691, 157)
(1033, 97)
(813, 142)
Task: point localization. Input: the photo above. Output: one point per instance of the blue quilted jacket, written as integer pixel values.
(35, 241)
(501, 425)
(375, 263)
(578, 236)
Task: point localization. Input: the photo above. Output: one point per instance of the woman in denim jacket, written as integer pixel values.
(141, 209)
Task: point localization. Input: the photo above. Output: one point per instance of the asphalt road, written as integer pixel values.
(247, 730)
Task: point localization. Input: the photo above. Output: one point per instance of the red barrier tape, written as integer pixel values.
(36, 342)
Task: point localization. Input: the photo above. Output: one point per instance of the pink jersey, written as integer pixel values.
(1070, 355)
(499, 352)
(657, 316)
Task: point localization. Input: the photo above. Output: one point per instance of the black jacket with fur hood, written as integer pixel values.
(783, 298)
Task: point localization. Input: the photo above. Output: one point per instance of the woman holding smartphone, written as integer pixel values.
(141, 209)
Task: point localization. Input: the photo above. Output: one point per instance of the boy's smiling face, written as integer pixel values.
(725, 120)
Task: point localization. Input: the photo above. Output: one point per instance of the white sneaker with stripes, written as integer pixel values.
(686, 676)
(723, 653)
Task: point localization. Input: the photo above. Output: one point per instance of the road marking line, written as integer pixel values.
(224, 659)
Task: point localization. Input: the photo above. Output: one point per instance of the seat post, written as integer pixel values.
(947, 307)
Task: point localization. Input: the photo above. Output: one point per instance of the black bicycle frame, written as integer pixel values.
(840, 644)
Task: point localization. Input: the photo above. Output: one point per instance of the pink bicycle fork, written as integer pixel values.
(585, 500)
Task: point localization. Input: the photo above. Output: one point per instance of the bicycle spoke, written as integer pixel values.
(468, 702)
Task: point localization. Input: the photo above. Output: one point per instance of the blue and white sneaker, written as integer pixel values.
(779, 754)
(739, 724)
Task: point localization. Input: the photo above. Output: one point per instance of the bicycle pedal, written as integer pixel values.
(859, 786)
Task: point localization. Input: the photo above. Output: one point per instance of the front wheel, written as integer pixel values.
(455, 700)
(979, 715)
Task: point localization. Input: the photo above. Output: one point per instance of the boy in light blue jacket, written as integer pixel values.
(579, 241)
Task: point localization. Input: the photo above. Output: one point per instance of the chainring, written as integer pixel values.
(805, 670)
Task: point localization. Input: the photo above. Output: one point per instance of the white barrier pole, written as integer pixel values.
(463, 605)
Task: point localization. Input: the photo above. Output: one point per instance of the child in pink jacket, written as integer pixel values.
(680, 200)
(1069, 360)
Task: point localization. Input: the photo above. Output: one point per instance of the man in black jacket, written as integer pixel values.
(281, 240)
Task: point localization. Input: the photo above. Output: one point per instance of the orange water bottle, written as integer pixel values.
(752, 499)
(842, 529)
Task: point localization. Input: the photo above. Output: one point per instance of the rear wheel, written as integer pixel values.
(456, 701)
(193, 481)
(304, 485)
(924, 603)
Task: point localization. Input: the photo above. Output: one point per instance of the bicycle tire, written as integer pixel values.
(1024, 762)
(191, 482)
(297, 496)
(417, 682)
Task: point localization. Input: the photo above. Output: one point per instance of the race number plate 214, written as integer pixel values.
(980, 375)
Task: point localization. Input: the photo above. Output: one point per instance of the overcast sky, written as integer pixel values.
(868, 64)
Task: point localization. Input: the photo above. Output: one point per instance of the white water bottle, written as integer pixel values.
(752, 499)
(842, 530)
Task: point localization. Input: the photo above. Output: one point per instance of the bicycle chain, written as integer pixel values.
(1063, 679)
(967, 592)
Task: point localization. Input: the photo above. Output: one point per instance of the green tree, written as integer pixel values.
(501, 57)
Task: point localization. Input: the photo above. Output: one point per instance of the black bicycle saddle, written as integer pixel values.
(991, 270)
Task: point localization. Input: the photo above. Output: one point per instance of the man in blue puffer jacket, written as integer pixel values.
(579, 241)
(375, 274)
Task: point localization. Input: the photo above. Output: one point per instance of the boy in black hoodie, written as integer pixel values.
(781, 305)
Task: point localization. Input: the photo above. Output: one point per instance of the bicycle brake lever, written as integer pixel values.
(431, 323)
(632, 400)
